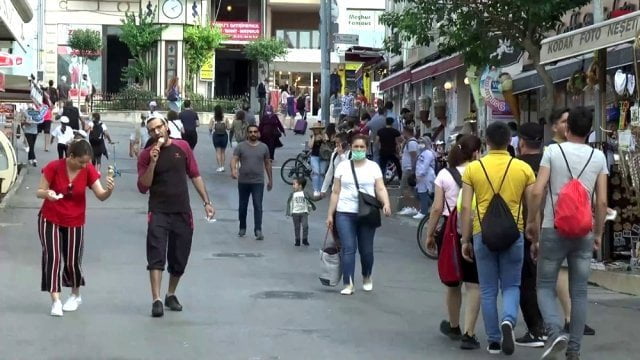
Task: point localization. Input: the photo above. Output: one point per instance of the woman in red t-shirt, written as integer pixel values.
(61, 221)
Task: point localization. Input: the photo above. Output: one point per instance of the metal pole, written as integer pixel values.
(325, 58)
(600, 93)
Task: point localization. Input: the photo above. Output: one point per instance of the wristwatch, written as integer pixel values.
(207, 203)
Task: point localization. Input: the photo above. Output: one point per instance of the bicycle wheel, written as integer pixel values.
(290, 170)
(422, 237)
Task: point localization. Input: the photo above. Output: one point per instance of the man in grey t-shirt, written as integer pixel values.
(250, 161)
(589, 167)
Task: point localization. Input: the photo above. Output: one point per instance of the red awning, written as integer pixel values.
(396, 79)
(436, 68)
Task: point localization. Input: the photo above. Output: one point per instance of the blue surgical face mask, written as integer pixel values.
(358, 154)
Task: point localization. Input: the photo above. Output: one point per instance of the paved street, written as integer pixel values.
(266, 304)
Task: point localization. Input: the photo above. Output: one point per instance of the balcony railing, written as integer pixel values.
(300, 39)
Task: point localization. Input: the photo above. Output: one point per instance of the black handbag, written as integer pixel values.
(368, 206)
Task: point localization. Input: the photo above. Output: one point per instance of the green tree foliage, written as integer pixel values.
(474, 28)
(86, 43)
(140, 34)
(199, 44)
(266, 50)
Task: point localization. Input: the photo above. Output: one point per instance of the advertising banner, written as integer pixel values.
(70, 68)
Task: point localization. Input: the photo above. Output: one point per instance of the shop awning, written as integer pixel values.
(18, 89)
(589, 38)
(619, 56)
(399, 78)
(436, 68)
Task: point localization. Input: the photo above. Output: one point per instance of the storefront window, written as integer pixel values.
(300, 39)
(304, 38)
(315, 39)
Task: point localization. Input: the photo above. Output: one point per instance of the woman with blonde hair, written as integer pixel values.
(172, 92)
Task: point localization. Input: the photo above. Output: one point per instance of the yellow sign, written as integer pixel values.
(207, 73)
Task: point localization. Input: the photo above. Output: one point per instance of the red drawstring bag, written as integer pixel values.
(572, 215)
(449, 259)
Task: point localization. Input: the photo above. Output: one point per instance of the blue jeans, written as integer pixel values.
(256, 192)
(426, 200)
(498, 269)
(578, 252)
(354, 236)
(318, 169)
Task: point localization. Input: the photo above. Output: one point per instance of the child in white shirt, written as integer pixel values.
(299, 205)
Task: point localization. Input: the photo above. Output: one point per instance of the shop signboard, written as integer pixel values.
(9, 60)
(36, 94)
(587, 39)
(207, 73)
(492, 94)
(240, 31)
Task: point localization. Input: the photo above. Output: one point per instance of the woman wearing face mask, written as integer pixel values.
(447, 190)
(61, 221)
(354, 234)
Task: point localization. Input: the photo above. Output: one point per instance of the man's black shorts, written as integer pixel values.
(44, 127)
(169, 238)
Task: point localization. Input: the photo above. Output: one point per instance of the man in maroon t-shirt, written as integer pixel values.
(161, 171)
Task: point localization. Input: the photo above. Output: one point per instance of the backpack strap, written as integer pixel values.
(503, 176)
(553, 208)
(455, 174)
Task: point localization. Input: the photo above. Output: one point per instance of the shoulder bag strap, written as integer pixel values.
(355, 178)
(586, 164)
(567, 162)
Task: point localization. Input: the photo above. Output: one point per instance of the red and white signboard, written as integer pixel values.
(8, 60)
(240, 30)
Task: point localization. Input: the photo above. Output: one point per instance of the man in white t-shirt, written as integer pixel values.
(560, 163)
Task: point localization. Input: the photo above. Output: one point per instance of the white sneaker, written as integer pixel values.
(404, 211)
(367, 284)
(72, 303)
(419, 216)
(347, 290)
(316, 194)
(56, 309)
(221, 168)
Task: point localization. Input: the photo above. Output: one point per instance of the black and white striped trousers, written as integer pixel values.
(61, 247)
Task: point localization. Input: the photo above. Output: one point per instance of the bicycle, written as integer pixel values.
(293, 168)
(421, 237)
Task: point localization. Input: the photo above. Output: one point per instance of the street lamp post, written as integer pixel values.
(325, 59)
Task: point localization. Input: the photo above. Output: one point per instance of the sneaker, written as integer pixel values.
(530, 340)
(508, 345)
(348, 290)
(171, 301)
(453, 333)
(469, 342)
(494, 348)
(157, 310)
(242, 232)
(72, 303)
(573, 356)
(259, 235)
(556, 347)
(305, 242)
(588, 330)
(297, 243)
(316, 194)
(419, 216)
(367, 284)
(56, 308)
(405, 211)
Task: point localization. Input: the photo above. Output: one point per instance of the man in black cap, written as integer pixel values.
(530, 140)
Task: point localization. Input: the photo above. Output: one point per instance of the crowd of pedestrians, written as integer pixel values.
(512, 233)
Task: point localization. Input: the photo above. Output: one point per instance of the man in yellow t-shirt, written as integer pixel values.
(513, 180)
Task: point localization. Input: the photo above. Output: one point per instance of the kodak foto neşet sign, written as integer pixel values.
(608, 33)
